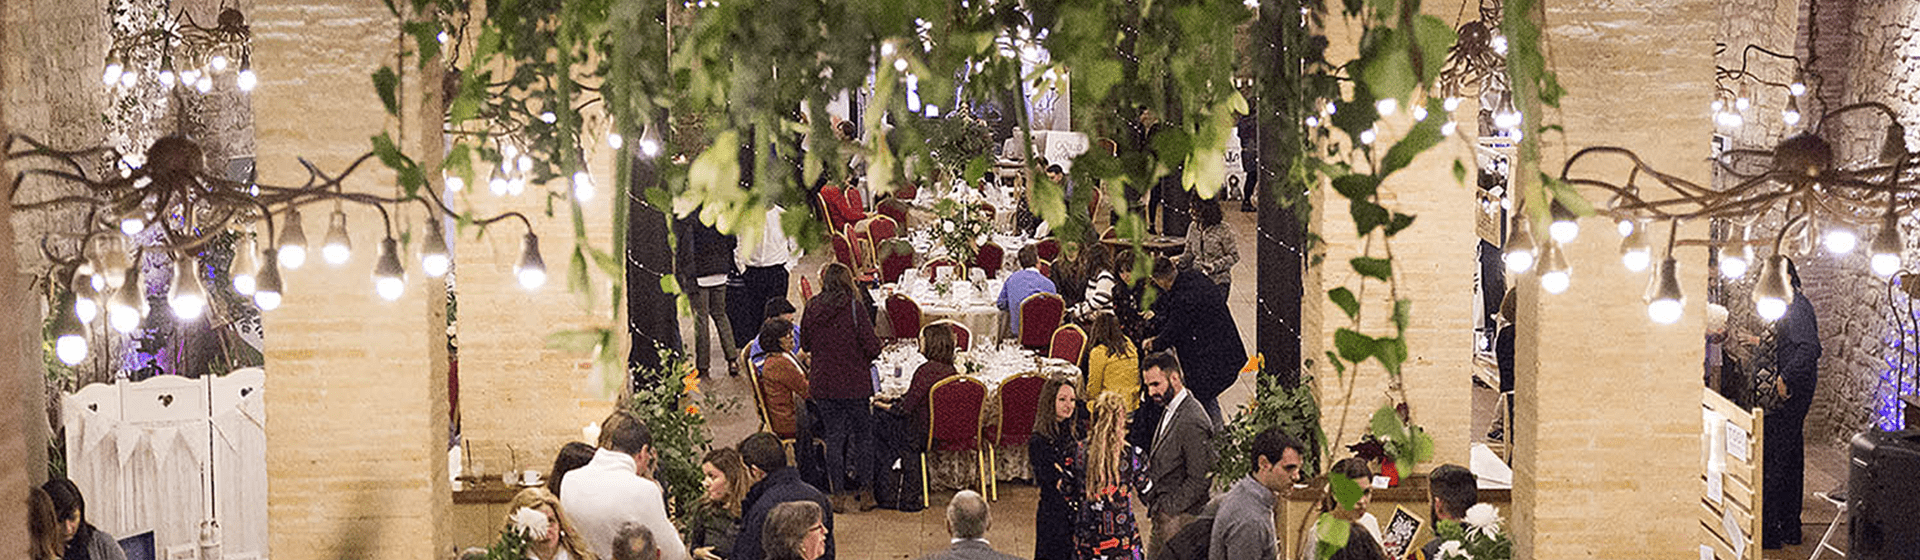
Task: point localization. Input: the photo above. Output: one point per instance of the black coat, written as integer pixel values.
(1195, 323)
(702, 250)
(1058, 472)
(779, 487)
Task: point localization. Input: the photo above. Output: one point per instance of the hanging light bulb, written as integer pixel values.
(582, 186)
(1745, 98)
(1625, 227)
(1555, 275)
(166, 78)
(1635, 252)
(497, 183)
(615, 141)
(107, 261)
(1519, 255)
(1791, 115)
(123, 311)
(433, 255)
(1886, 246)
(205, 84)
(246, 80)
(1840, 239)
(389, 279)
(1505, 115)
(338, 247)
(532, 270)
(112, 74)
(1565, 227)
(243, 266)
(1386, 107)
(86, 299)
(70, 344)
(293, 242)
(1419, 113)
(1668, 303)
(267, 294)
(1774, 292)
(218, 62)
(187, 297)
(1734, 261)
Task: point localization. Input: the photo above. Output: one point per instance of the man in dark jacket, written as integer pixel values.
(1797, 358)
(1196, 325)
(702, 262)
(1182, 455)
(780, 484)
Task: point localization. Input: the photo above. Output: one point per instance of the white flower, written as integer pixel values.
(1451, 549)
(1484, 519)
(948, 226)
(530, 522)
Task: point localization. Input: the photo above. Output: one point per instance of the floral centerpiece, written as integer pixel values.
(1478, 537)
(959, 228)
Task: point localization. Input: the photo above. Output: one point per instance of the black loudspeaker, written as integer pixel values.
(1883, 496)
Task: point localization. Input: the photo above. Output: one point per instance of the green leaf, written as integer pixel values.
(1459, 172)
(1367, 216)
(1392, 353)
(1402, 315)
(1386, 424)
(1387, 69)
(426, 38)
(1356, 187)
(1434, 38)
(1339, 367)
(1424, 135)
(1343, 297)
(1378, 269)
(1354, 347)
(1398, 223)
(1331, 535)
(387, 84)
(1097, 77)
(577, 276)
(1346, 491)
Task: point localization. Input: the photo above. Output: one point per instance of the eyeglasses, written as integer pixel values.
(821, 527)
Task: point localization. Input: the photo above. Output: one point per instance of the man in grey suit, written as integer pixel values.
(1181, 456)
(967, 522)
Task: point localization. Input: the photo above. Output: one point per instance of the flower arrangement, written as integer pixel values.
(960, 227)
(1294, 410)
(1478, 537)
(669, 401)
(527, 526)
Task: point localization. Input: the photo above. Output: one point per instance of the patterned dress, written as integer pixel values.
(1107, 529)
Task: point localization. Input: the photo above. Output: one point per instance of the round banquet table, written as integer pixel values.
(968, 303)
(992, 363)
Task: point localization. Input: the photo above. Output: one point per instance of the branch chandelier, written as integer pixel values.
(190, 55)
(1821, 197)
(189, 207)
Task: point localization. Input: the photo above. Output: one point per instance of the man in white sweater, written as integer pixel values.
(609, 493)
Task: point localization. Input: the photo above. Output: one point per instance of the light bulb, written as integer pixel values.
(267, 294)
(166, 78)
(1635, 252)
(71, 344)
(1733, 265)
(389, 279)
(1367, 136)
(1636, 260)
(246, 80)
(1564, 231)
(1797, 89)
(205, 84)
(1446, 128)
(650, 142)
(1519, 249)
(1451, 104)
(218, 62)
(582, 186)
(112, 74)
(615, 141)
(900, 65)
(338, 247)
(532, 270)
(1774, 290)
(129, 78)
(455, 184)
(1625, 227)
(1790, 116)
(87, 309)
(188, 77)
(1555, 275)
(133, 225)
(123, 311)
(1668, 302)
(497, 184)
(524, 162)
(243, 267)
(1387, 107)
(433, 255)
(188, 298)
(71, 348)
(548, 117)
(1314, 121)
(1840, 241)
(1556, 282)
(1887, 247)
(293, 242)
(1419, 113)
(1499, 44)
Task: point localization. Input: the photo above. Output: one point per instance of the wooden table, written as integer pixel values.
(1168, 246)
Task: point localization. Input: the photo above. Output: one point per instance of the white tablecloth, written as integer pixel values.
(991, 363)
(969, 303)
(926, 247)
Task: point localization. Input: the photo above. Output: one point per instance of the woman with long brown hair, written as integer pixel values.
(838, 328)
(556, 539)
(1115, 471)
(716, 517)
(1113, 365)
(1054, 454)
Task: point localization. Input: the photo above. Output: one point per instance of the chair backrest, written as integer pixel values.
(1045, 268)
(989, 257)
(1047, 249)
(1109, 233)
(903, 315)
(843, 250)
(907, 190)
(953, 412)
(855, 201)
(829, 197)
(896, 256)
(1069, 343)
(806, 289)
(1039, 315)
(863, 255)
(881, 227)
(1019, 400)
(759, 394)
(894, 208)
(962, 336)
(932, 267)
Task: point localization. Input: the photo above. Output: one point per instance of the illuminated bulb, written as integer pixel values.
(509, 151)
(1635, 252)
(1886, 247)
(123, 310)
(1718, 106)
(1774, 292)
(205, 84)
(243, 267)
(524, 162)
(615, 141)
(1451, 104)
(933, 111)
(650, 142)
(1387, 107)
(71, 342)
(188, 77)
(531, 270)
(1448, 128)
(1840, 241)
(1745, 99)
(1797, 89)
(166, 78)
(1564, 229)
(337, 247)
(389, 278)
(188, 298)
(1419, 113)
(1331, 108)
(1791, 114)
(497, 184)
(516, 185)
(1668, 302)
(548, 117)
(900, 65)
(218, 62)
(582, 186)
(433, 255)
(1519, 250)
(112, 74)
(1555, 275)
(267, 296)
(246, 80)
(1499, 43)
(886, 49)
(1734, 265)
(1313, 122)
(1367, 136)
(71, 348)
(1626, 227)
(129, 78)
(455, 184)
(133, 225)
(87, 309)
(443, 37)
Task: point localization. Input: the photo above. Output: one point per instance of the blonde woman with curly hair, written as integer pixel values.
(1115, 471)
(549, 535)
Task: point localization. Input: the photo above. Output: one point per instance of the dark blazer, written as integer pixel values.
(1195, 323)
(1180, 461)
(782, 486)
(969, 550)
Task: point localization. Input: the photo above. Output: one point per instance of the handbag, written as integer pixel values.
(1766, 374)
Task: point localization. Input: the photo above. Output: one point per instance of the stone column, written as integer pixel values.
(1608, 403)
(356, 386)
(21, 360)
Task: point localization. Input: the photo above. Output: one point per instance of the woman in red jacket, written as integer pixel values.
(842, 381)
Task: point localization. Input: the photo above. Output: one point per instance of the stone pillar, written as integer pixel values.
(356, 386)
(20, 361)
(1608, 403)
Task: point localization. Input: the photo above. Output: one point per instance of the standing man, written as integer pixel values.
(703, 262)
(1451, 490)
(1026, 282)
(1181, 456)
(764, 270)
(1195, 323)
(1797, 358)
(1243, 525)
(609, 493)
(778, 484)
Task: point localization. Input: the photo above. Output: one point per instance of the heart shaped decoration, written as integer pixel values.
(166, 400)
(94, 407)
(244, 391)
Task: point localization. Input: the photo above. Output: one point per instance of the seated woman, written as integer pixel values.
(716, 518)
(1113, 365)
(783, 383)
(573, 455)
(1364, 523)
(80, 540)
(901, 426)
(556, 540)
(795, 531)
(43, 532)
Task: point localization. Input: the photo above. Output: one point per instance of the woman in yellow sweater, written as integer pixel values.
(1113, 366)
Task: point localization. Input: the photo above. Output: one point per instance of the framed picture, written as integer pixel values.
(1397, 536)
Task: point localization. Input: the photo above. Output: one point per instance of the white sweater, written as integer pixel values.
(606, 495)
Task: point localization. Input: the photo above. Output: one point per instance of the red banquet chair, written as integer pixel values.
(843, 251)
(1045, 268)
(854, 201)
(954, 408)
(903, 315)
(989, 257)
(806, 289)
(830, 197)
(933, 266)
(962, 336)
(894, 208)
(907, 191)
(896, 256)
(1040, 314)
(1069, 343)
(1048, 249)
(1019, 400)
(882, 227)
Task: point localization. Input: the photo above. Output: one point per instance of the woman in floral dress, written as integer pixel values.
(1114, 472)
